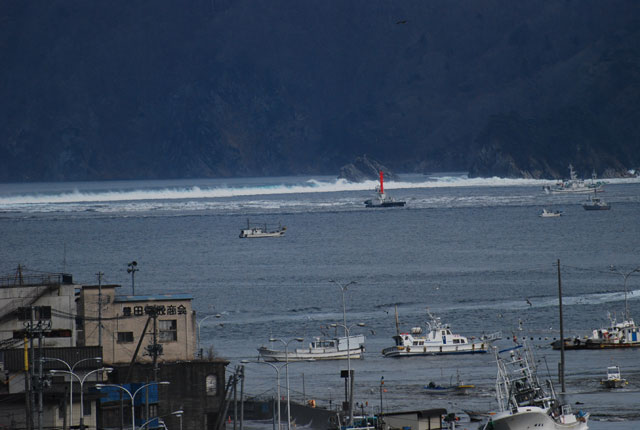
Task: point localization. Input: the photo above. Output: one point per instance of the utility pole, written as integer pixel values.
(100, 275)
(561, 369)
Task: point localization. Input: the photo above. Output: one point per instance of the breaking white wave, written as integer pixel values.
(109, 196)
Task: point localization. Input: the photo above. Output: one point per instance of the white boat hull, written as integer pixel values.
(402, 351)
(536, 418)
(279, 356)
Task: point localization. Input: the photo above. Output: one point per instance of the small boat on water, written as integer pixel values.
(550, 214)
(261, 231)
(458, 388)
(382, 200)
(613, 379)
(321, 348)
(438, 340)
(624, 334)
(523, 402)
(596, 204)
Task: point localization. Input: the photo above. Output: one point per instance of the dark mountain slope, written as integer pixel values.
(167, 89)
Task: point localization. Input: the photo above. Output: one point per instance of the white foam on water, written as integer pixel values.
(78, 199)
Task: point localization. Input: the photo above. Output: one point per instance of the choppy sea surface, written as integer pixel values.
(472, 251)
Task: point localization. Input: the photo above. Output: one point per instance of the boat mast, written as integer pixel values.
(397, 323)
(381, 182)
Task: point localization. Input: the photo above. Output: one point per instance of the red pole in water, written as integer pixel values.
(381, 182)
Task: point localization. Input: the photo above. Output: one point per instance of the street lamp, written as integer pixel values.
(347, 332)
(199, 324)
(286, 355)
(132, 396)
(343, 288)
(133, 268)
(177, 413)
(81, 380)
(71, 368)
(277, 369)
(625, 276)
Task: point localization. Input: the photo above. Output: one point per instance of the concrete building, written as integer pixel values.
(57, 337)
(126, 319)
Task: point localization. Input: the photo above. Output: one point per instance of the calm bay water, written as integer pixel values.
(472, 251)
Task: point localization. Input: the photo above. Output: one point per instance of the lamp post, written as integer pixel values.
(132, 396)
(347, 332)
(133, 268)
(199, 324)
(286, 355)
(277, 369)
(343, 288)
(625, 276)
(71, 369)
(177, 413)
(81, 380)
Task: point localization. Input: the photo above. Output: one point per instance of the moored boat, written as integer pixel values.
(525, 403)
(438, 340)
(613, 379)
(321, 348)
(381, 199)
(624, 334)
(258, 231)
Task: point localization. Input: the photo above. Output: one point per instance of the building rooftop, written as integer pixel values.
(153, 297)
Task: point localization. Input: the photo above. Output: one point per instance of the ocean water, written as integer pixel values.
(472, 251)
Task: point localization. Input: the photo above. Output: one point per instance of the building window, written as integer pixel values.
(168, 330)
(211, 385)
(125, 337)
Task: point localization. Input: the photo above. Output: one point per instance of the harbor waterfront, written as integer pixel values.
(474, 252)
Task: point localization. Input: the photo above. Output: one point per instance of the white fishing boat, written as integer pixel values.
(574, 185)
(550, 214)
(258, 231)
(523, 402)
(614, 379)
(438, 340)
(321, 348)
(381, 199)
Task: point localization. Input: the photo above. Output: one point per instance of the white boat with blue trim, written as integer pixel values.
(438, 340)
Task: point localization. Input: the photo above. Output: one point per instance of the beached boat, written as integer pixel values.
(613, 379)
(550, 214)
(523, 402)
(321, 348)
(596, 204)
(574, 185)
(381, 199)
(624, 334)
(261, 231)
(438, 340)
